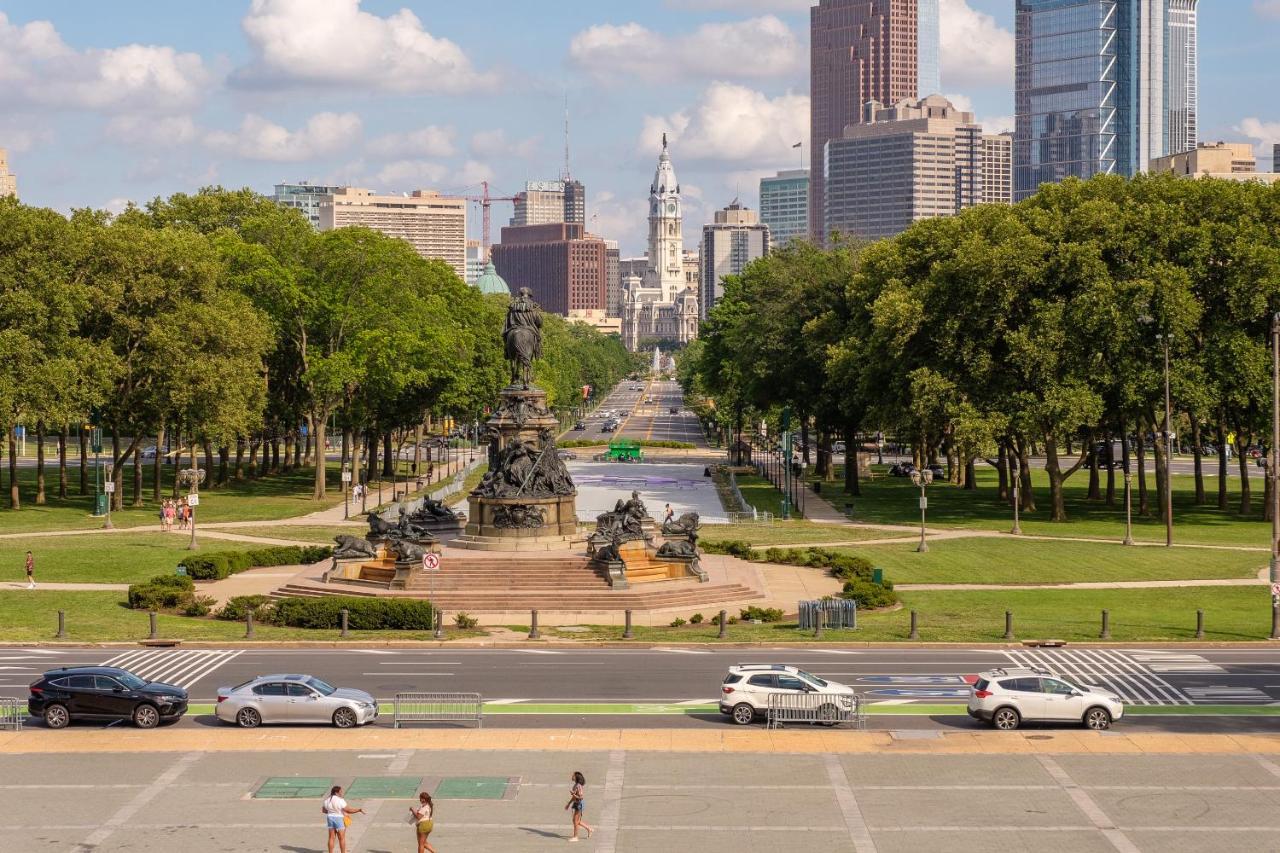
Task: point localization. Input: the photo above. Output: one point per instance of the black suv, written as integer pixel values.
(75, 692)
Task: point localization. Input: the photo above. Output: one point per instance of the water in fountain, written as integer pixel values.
(657, 360)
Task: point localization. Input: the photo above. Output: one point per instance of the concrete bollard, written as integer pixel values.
(439, 632)
(343, 617)
(62, 625)
(817, 626)
(626, 631)
(1008, 624)
(1199, 624)
(723, 621)
(533, 625)
(155, 630)
(915, 626)
(248, 625)
(1106, 626)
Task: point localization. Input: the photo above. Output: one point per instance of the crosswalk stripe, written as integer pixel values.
(182, 668)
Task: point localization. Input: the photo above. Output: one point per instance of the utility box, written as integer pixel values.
(100, 504)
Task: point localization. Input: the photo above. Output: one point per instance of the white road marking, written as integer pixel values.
(537, 652)
(505, 701)
(611, 803)
(1087, 806)
(406, 673)
(853, 819)
(182, 668)
(833, 652)
(681, 651)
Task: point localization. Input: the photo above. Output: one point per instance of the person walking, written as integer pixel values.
(577, 803)
(337, 817)
(169, 511)
(422, 816)
(668, 514)
(31, 571)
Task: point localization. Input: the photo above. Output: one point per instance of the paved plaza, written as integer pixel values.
(751, 791)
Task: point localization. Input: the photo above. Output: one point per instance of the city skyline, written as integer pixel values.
(98, 110)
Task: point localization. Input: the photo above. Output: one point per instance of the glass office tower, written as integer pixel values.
(929, 49)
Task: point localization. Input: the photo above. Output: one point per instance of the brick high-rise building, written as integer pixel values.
(860, 51)
(566, 269)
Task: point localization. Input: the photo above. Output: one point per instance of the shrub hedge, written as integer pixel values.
(239, 606)
(364, 614)
(733, 547)
(166, 592)
(216, 565)
(855, 571)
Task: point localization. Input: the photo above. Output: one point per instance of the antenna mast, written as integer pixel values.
(566, 175)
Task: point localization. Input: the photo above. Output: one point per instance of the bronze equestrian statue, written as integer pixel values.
(522, 336)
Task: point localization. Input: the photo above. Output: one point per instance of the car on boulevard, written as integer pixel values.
(744, 693)
(294, 699)
(103, 693)
(1006, 698)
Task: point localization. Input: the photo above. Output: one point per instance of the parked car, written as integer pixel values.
(1006, 698)
(103, 692)
(744, 693)
(580, 425)
(837, 447)
(566, 454)
(674, 410)
(609, 425)
(901, 469)
(294, 699)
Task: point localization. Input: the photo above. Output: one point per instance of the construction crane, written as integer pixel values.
(485, 200)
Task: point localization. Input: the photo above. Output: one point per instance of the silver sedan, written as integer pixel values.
(294, 699)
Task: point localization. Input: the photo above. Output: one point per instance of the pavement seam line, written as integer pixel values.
(849, 809)
(360, 824)
(131, 808)
(611, 808)
(401, 762)
(1088, 806)
(1267, 764)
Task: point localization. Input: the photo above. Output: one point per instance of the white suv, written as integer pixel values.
(1007, 697)
(744, 694)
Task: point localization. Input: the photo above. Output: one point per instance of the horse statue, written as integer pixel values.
(522, 336)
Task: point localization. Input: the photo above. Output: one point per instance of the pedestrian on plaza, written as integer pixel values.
(169, 512)
(164, 526)
(337, 817)
(577, 803)
(669, 514)
(422, 816)
(31, 571)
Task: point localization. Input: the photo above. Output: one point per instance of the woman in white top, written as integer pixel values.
(422, 817)
(336, 817)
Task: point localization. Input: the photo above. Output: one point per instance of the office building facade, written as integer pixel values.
(860, 51)
(1230, 161)
(912, 161)
(549, 202)
(305, 197)
(434, 224)
(1101, 87)
(929, 48)
(784, 205)
(733, 240)
(8, 180)
(564, 267)
(612, 279)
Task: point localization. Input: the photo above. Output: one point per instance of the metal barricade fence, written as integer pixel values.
(834, 613)
(828, 708)
(764, 518)
(438, 708)
(12, 713)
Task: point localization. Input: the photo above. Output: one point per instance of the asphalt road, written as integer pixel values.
(642, 419)
(658, 680)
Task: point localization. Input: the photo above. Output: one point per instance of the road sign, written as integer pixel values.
(193, 500)
(346, 476)
(431, 562)
(109, 487)
(924, 503)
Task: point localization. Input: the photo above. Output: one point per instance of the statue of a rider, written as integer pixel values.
(522, 336)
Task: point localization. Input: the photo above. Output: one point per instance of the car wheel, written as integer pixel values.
(1006, 719)
(829, 715)
(56, 716)
(146, 717)
(248, 718)
(345, 718)
(1098, 719)
(744, 714)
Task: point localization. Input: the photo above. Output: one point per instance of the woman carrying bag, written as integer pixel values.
(337, 817)
(422, 817)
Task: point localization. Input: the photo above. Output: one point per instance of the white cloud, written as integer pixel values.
(403, 175)
(260, 139)
(757, 47)
(334, 42)
(151, 131)
(740, 5)
(1266, 134)
(623, 219)
(494, 144)
(117, 205)
(1267, 8)
(430, 141)
(472, 173)
(734, 124)
(991, 123)
(976, 51)
(38, 68)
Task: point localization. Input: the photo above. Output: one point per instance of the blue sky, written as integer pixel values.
(103, 103)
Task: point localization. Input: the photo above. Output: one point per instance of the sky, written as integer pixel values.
(102, 104)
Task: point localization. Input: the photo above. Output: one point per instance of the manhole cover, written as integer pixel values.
(914, 734)
(474, 787)
(384, 788)
(1039, 737)
(293, 788)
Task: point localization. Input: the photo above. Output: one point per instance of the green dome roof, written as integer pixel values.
(490, 282)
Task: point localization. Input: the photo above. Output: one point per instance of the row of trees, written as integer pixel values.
(1004, 329)
(229, 326)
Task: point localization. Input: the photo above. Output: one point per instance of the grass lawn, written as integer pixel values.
(1231, 614)
(277, 496)
(789, 533)
(31, 616)
(1016, 561)
(315, 534)
(103, 558)
(893, 500)
(763, 495)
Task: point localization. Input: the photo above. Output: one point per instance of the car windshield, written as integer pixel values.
(815, 679)
(129, 680)
(320, 687)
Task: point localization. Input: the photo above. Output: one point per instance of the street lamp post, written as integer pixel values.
(1015, 474)
(1168, 446)
(192, 477)
(1274, 471)
(922, 479)
(346, 492)
(1128, 507)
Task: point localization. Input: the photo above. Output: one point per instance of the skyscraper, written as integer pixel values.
(8, 182)
(860, 50)
(929, 51)
(564, 267)
(1101, 87)
(784, 205)
(434, 224)
(735, 239)
(549, 202)
(1275, 157)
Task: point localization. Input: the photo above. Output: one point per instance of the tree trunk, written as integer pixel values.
(297, 449)
(346, 447)
(1111, 471)
(852, 483)
(319, 424)
(157, 466)
(239, 470)
(1160, 452)
(371, 455)
(137, 476)
(224, 465)
(117, 465)
(1140, 451)
(84, 459)
(208, 460)
(177, 462)
(286, 463)
(1057, 504)
(1199, 458)
(970, 476)
(62, 462)
(310, 452)
(804, 438)
(1024, 478)
(15, 500)
(1246, 491)
(1222, 465)
(388, 456)
(251, 464)
(40, 498)
(1095, 490)
(1002, 472)
(275, 457)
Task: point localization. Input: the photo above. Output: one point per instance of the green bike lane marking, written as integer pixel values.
(872, 709)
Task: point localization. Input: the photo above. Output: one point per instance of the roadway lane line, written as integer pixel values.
(853, 819)
(1268, 765)
(131, 808)
(1088, 807)
(611, 802)
(406, 673)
